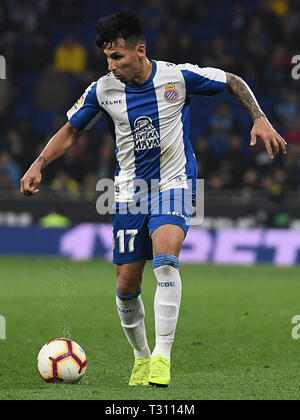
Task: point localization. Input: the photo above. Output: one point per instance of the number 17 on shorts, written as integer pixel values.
(131, 233)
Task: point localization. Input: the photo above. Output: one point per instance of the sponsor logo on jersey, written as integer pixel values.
(171, 94)
(145, 135)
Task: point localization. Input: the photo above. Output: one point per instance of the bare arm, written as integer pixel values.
(262, 127)
(55, 148)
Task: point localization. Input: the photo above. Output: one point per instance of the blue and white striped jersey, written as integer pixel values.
(149, 122)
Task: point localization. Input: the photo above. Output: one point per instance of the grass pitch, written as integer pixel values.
(233, 339)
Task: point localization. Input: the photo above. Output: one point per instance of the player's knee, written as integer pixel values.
(127, 286)
(128, 281)
(127, 293)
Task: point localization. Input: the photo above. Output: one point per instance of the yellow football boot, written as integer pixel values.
(140, 372)
(160, 368)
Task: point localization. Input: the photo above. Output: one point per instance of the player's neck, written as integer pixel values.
(145, 72)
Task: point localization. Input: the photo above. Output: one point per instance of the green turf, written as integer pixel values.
(233, 339)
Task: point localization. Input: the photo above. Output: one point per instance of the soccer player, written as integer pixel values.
(146, 103)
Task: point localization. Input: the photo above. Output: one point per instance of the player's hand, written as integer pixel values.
(274, 143)
(30, 181)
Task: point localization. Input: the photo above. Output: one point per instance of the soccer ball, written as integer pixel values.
(61, 360)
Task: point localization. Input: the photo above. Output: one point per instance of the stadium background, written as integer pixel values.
(51, 58)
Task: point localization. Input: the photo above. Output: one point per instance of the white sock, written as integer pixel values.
(132, 314)
(166, 308)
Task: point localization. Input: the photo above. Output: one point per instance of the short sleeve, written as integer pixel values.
(86, 111)
(203, 80)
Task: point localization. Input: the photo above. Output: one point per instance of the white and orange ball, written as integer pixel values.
(61, 360)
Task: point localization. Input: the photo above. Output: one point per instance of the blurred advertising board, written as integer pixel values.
(202, 246)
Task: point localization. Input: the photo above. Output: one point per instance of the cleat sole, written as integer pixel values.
(158, 385)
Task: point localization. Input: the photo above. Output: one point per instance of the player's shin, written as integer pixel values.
(166, 303)
(132, 313)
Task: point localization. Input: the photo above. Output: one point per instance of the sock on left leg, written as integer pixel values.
(166, 303)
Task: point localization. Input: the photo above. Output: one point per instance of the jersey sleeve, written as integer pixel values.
(86, 111)
(203, 80)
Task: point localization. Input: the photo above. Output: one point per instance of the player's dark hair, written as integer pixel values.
(124, 25)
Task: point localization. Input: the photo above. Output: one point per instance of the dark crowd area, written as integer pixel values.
(51, 57)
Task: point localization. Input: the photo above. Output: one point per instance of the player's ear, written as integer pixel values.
(141, 49)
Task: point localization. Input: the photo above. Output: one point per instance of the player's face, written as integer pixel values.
(125, 61)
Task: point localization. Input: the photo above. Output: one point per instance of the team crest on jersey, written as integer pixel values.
(145, 135)
(171, 94)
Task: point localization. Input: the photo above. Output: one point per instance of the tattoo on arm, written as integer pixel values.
(241, 91)
(42, 160)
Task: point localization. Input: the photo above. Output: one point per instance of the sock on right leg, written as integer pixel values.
(132, 313)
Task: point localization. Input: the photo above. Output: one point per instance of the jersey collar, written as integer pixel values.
(147, 82)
